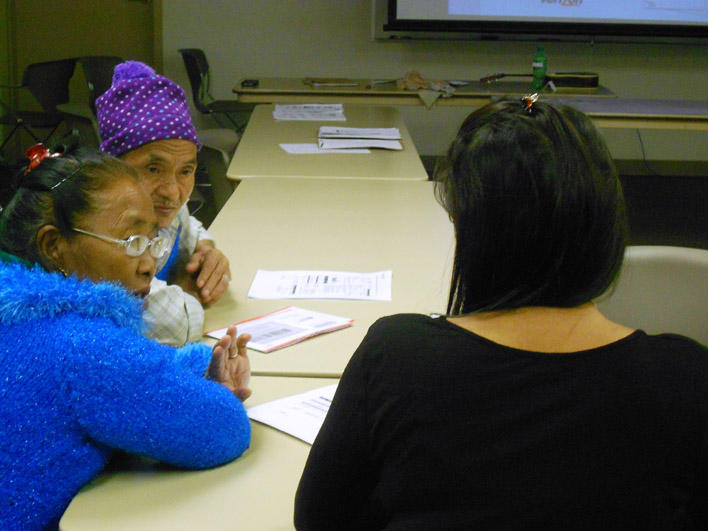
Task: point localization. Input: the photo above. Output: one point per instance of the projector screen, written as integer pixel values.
(548, 19)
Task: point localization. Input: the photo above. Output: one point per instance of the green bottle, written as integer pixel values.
(538, 68)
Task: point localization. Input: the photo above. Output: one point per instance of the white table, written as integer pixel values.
(341, 225)
(259, 153)
(253, 493)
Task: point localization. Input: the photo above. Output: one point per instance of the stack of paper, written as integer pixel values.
(315, 112)
(285, 327)
(359, 137)
(298, 415)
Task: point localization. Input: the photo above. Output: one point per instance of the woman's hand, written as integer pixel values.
(229, 364)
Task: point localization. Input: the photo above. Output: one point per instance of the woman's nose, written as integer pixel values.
(147, 265)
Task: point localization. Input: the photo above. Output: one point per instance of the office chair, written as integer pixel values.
(661, 289)
(48, 82)
(198, 72)
(98, 73)
(98, 70)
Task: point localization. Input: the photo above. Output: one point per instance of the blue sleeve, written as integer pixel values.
(131, 393)
(193, 357)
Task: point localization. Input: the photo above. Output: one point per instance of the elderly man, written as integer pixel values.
(144, 119)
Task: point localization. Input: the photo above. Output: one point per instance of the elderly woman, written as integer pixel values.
(79, 379)
(524, 408)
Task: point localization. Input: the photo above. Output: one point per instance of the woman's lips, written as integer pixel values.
(142, 293)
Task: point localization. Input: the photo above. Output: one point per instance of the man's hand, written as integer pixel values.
(229, 363)
(211, 270)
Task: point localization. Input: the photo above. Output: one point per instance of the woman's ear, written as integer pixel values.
(51, 246)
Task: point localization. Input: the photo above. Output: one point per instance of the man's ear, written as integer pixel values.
(51, 246)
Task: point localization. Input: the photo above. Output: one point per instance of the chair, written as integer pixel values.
(98, 70)
(198, 72)
(661, 289)
(212, 187)
(48, 82)
(98, 73)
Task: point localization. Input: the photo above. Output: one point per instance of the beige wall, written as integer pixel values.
(246, 38)
(68, 28)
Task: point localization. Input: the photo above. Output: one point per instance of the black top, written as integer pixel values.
(434, 427)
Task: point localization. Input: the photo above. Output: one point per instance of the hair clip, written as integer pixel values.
(37, 154)
(528, 101)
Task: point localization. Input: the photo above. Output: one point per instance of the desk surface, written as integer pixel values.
(254, 492)
(295, 90)
(602, 106)
(341, 225)
(259, 153)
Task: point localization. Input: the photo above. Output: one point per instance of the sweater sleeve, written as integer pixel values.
(337, 481)
(698, 507)
(131, 393)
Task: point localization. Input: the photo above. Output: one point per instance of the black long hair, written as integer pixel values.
(537, 207)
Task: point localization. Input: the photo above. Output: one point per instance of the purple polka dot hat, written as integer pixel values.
(142, 107)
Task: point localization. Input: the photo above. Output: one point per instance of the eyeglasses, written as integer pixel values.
(135, 245)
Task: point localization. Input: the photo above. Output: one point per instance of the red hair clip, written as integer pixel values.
(528, 101)
(37, 154)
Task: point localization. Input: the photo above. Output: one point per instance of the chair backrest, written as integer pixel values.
(198, 72)
(661, 289)
(49, 82)
(98, 70)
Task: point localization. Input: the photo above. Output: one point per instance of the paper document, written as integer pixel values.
(321, 285)
(298, 415)
(285, 327)
(317, 112)
(380, 133)
(334, 84)
(314, 149)
(328, 144)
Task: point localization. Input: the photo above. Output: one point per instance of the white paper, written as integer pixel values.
(380, 133)
(285, 327)
(328, 144)
(316, 112)
(334, 84)
(321, 285)
(299, 415)
(314, 149)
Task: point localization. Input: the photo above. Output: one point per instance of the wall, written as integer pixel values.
(5, 62)
(321, 38)
(68, 29)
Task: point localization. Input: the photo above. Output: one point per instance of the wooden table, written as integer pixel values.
(294, 90)
(259, 153)
(336, 224)
(254, 492)
(602, 105)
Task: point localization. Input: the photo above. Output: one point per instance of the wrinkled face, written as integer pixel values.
(166, 169)
(122, 210)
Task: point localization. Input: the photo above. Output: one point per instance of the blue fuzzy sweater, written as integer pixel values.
(77, 379)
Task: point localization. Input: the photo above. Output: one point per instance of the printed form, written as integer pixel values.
(299, 415)
(315, 112)
(375, 286)
(285, 327)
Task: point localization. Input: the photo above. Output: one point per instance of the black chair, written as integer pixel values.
(98, 70)
(198, 72)
(48, 82)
